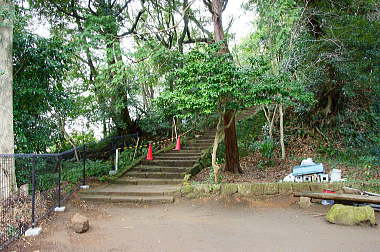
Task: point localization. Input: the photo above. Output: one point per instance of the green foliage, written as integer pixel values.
(40, 65)
(331, 48)
(265, 147)
(80, 138)
(210, 82)
(212, 176)
(126, 157)
(73, 171)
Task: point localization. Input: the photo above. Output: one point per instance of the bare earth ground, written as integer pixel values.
(254, 171)
(202, 225)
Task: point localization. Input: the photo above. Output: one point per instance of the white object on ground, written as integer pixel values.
(116, 160)
(85, 187)
(33, 232)
(59, 209)
(327, 202)
(289, 178)
(306, 162)
(335, 175)
(112, 172)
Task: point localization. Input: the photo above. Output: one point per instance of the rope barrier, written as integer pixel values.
(153, 143)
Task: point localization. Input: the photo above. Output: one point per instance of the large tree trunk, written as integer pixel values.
(122, 118)
(283, 155)
(7, 167)
(232, 151)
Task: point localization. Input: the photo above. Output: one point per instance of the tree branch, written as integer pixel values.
(198, 40)
(123, 8)
(133, 28)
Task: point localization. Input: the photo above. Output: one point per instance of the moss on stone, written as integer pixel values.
(202, 188)
(271, 188)
(336, 186)
(350, 215)
(285, 188)
(301, 187)
(257, 189)
(245, 189)
(229, 189)
(316, 187)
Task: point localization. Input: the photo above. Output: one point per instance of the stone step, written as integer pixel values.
(198, 145)
(179, 154)
(204, 140)
(147, 181)
(184, 152)
(167, 175)
(131, 190)
(169, 163)
(150, 168)
(195, 148)
(129, 199)
(176, 157)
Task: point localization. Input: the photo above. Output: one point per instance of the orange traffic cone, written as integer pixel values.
(149, 156)
(178, 145)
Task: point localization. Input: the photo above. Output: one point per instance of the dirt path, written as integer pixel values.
(202, 225)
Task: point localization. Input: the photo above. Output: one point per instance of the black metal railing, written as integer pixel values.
(33, 185)
(30, 189)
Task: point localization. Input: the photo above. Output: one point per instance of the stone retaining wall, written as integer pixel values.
(266, 189)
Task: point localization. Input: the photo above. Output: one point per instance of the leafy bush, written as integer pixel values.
(265, 147)
(212, 177)
(73, 171)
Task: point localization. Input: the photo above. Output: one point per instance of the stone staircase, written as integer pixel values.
(153, 181)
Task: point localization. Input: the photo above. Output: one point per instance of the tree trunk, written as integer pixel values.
(270, 118)
(282, 132)
(217, 11)
(7, 170)
(232, 150)
(218, 138)
(67, 136)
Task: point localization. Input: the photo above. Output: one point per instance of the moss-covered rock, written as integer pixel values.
(350, 215)
(245, 189)
(304, 202)
(285, 188)
(316, 187)
(336, 187)
(271, 188)
(301, 187)
(202, 188)
(257, 189)
(229, 189)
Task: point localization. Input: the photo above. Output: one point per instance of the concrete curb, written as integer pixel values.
(266, 189)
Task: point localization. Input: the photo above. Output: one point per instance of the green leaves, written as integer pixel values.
(210, 82)
(40, 67)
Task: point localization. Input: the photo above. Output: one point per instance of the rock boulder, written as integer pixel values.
(305, 202)
(79, 223)
(351, 215)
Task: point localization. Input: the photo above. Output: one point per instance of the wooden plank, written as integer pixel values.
(340, 196)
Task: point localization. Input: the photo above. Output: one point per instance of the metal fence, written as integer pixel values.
(38, 189)
(33, 185)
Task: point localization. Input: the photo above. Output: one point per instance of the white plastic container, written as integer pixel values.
(335, 175)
